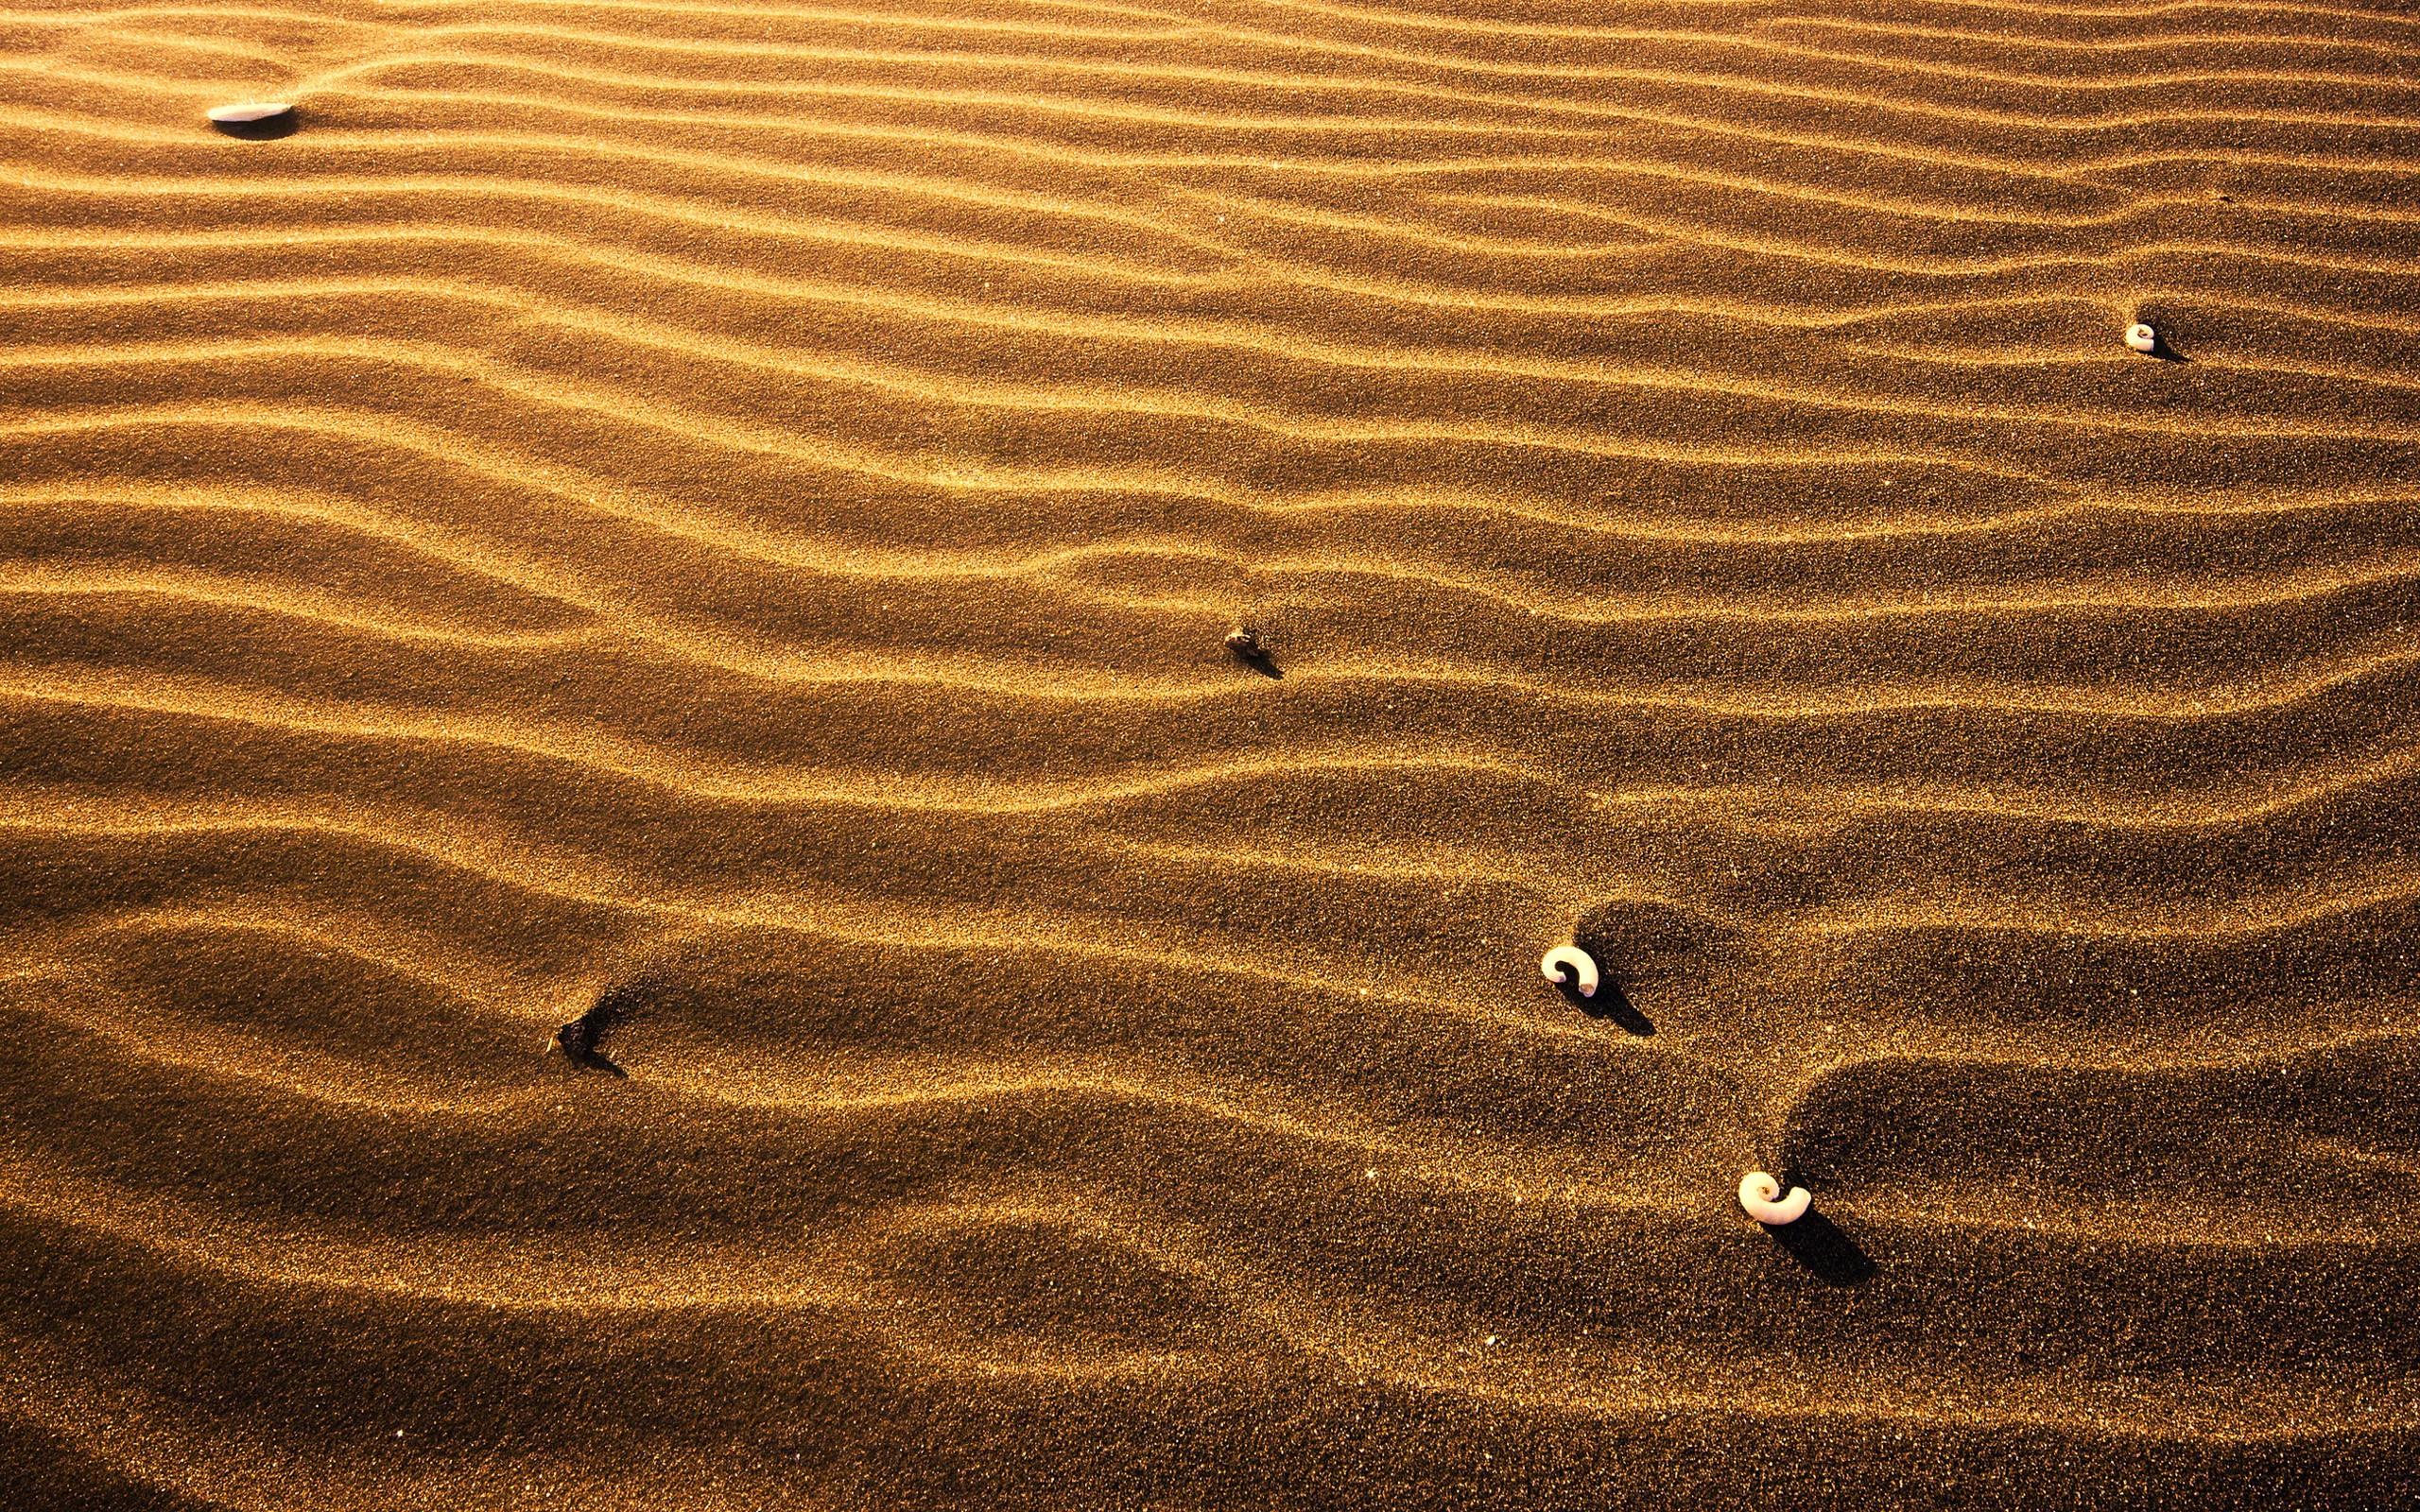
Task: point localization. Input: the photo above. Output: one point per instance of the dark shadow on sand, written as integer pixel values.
(1831, 1256)
(583, 1039)
(1259, 661)
(269, 131)
(2161, 347)
(1610, 1004)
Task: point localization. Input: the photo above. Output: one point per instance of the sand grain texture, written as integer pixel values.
(733, 510)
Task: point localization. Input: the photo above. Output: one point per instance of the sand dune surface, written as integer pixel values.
(718, 522)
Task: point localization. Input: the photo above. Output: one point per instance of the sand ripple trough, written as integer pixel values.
(733, 510)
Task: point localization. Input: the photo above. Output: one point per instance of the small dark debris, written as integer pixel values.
(579, 1040)
(1246, 643)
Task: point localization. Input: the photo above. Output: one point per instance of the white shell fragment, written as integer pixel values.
(2141, 338)
(249, 111)
(1575, 960)
(1758, 1194)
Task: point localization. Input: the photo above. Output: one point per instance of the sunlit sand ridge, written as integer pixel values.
(734, 511)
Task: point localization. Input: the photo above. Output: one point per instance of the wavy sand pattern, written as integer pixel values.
(732, 509)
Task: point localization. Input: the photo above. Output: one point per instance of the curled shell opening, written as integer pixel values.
(1575, 960)
(1760, 1198)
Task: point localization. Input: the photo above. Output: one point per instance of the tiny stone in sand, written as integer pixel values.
(249, 111)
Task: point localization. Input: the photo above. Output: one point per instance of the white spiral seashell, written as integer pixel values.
(249, 111)
(1760, 1195)
(2141, 338)
(1571, 957)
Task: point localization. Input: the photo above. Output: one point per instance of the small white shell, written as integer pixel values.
(1758, 1194)
(1583, 971)
(2141, 338)
(249, 111)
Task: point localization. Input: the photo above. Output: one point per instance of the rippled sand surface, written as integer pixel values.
(729, 513)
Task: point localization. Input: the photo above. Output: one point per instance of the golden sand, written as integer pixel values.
(734, 511)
